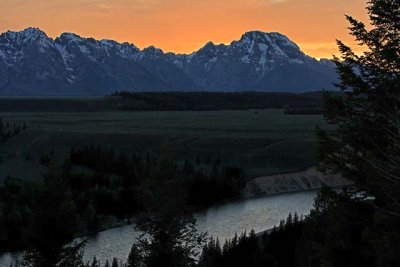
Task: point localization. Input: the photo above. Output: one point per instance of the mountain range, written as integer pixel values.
(33, 64)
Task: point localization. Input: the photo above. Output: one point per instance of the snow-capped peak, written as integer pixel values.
(27, 36)
(94, 49)
(30, 32)
(70, 37)
(149, 53)
(268, 38)
(14, 45)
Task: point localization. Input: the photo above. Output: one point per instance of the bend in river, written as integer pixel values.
(221, 221)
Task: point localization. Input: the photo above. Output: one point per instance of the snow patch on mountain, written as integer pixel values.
(67, 57)
(245, 59)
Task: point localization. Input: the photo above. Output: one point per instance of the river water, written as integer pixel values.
(221, 221)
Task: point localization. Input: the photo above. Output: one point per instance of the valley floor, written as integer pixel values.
(263, 142)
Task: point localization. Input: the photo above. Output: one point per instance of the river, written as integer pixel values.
(221, 221)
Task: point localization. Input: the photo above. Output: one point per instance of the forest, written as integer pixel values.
(111, 186)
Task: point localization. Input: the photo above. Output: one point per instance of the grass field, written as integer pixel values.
(262, 141)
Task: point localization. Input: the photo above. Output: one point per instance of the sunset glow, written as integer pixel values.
(183, 26)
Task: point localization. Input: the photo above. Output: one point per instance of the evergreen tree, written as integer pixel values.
(170, 237)
(95, 262)
(114, 263)
(53, 227)
(135, 258)
(365, 145)
(353, 229)
(170, 240)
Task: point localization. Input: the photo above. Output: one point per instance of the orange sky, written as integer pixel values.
(186, 25)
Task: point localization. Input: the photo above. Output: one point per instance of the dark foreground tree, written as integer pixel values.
(170, 240)
(360, 227)
(365, 146)
(69, 256)
(170, 236)
(53, 228)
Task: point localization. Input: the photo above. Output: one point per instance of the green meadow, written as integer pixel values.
(262, 141)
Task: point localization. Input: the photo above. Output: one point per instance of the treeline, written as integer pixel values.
(341, 230)
(181, 101)
(165, 101)
(112, 184)
(275, 248)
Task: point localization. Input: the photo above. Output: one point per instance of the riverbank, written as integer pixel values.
(310, 179)
(278, 184)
